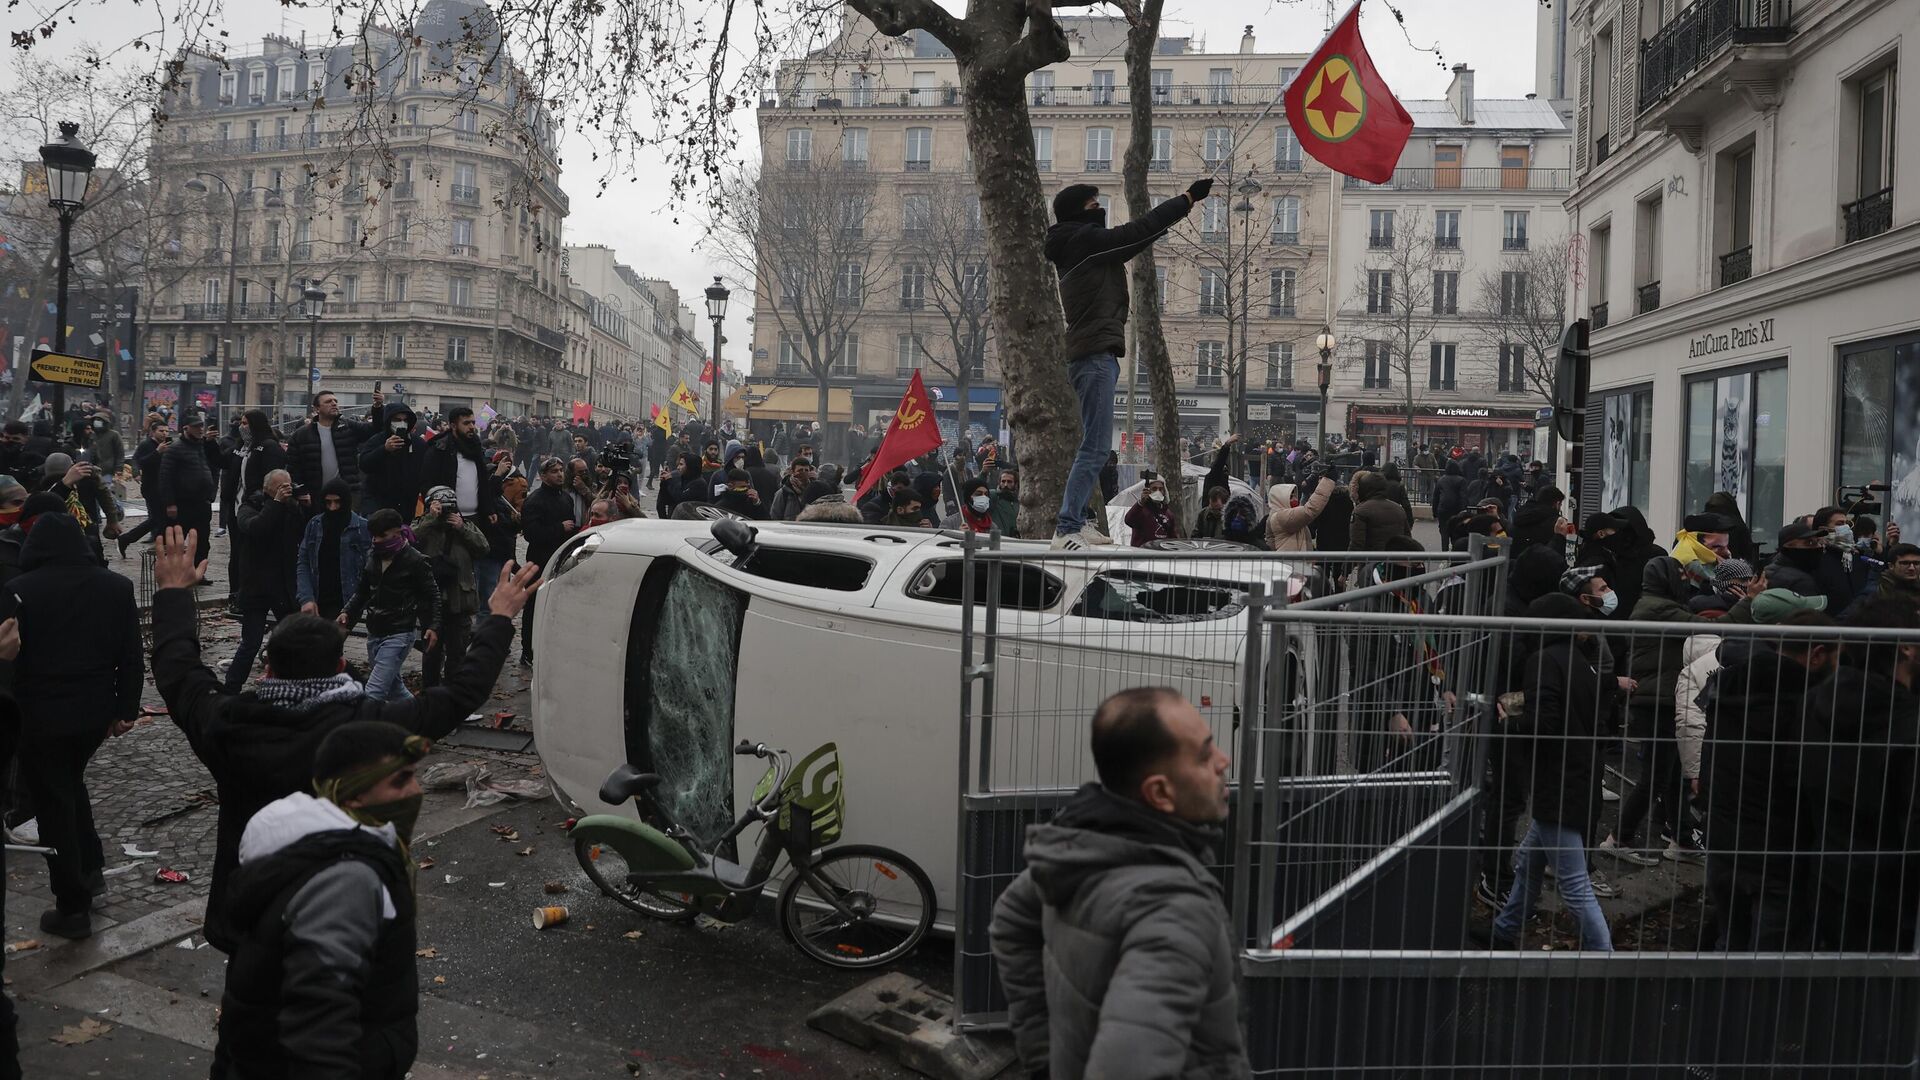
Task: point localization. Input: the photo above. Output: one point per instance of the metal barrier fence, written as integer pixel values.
(1048, 635)
(1462, 845)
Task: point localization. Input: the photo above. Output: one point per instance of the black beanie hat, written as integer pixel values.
(1072, 200)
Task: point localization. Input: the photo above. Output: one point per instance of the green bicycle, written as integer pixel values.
(851, 906)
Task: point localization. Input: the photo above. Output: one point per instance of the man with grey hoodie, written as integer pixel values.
(1113, 944)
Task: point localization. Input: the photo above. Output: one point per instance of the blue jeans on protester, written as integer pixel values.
(486, 574)
(1566, 849)
(1094, 377)
(386, 655)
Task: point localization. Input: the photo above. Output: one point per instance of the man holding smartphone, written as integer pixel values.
(329, 445)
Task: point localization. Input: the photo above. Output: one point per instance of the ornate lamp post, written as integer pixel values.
(313, 303)
(69, 168)
(716, 310)
(1326, 343)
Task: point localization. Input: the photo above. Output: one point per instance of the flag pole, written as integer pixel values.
(1333, 236)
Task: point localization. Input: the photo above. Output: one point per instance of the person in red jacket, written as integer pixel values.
(1154, 516)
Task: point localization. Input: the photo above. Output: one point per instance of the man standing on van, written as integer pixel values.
(1091, 260)
(1113, 944)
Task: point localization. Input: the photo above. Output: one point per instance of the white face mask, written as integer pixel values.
(1609, 602)
(1157, 496)
(1842, 534)
(979, 504)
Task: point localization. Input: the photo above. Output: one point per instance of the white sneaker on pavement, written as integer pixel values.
(1613, 848)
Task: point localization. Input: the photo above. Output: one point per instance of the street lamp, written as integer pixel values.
(199, 186)
(1247, 188)
(1326, 343)
(69, 169)
(716, 310)
(313, 303)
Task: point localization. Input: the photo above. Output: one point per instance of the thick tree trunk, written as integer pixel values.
(1150, 341)
(1042, 413)
(963, 386)
(821, 432)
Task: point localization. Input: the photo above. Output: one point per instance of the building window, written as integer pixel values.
(1513, 230)
(1514, 161)
(919, 149)
(912, 348)
(1041, 83)
(1216, 146)
(799, 146)
(1379, 292)
(1160, 81)
(1209, 363)
(1213, 218)
(851, 216)
(860, 90)
(853, 148)
(1220, 86)
(1280, 365)
(1646, 256)
(1871, 99)
(1287, 75)
(1600, 105)
(1213, 292)
(1379, 228)
(398, 349)
(916, 213)
(973, 215)
(460, 291)
(398, 291)
(1378, 357)
(973, 284)
(1103, 88)
(1160, 285)
(467, 121)
(286, 81)
(1162, 159)
(1043, 148)
(1280, 284)
(349, 289)
(1513, 292)
(1599, 261)
(1099, 149)
(1286, 150)
(913, 287)
(1880, 423)
(462, 236)
(1446, 230)
(1736, 441)
(1733, 216)
(456, 350)
(229, 81)
(850, 284)
(347, 346)
(1286, 219)
(845, 360)
(1446, 292)
(1513, 368)
(789, 357)
(1626, 446)
(1440, 356)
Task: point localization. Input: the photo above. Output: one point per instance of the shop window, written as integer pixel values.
(1737, 443)
(1626, 446)
(1880, 424)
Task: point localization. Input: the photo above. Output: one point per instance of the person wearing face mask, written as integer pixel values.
(791, 498)
(323, 980)
(1091, 261)
(1153, 517)
(334, 546)
(739, 497)
(976, 508)
(391, 461)
(1806, 565)
(102, 442)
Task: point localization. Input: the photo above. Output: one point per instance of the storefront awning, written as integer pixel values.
(1444, 422)
(792, 403)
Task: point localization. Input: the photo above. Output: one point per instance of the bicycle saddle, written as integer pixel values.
(626, 782)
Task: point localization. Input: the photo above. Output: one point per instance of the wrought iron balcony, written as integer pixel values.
(1281, 310)
(466, 193)
(1380, 240)
(1447, 242)
(1597, 314)
(1647, 298)
(1099, 164)
(1513, 243)
(1700, 34)
(1869, 215)
(1478, 178)
(1287, 238)
(1736, 266)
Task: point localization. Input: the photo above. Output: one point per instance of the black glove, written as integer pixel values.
(1199, 189)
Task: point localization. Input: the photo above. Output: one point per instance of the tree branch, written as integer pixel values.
(895, 17)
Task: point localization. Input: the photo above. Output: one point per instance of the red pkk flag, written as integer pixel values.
(912, 433)
(1341, 109)
(706, 372)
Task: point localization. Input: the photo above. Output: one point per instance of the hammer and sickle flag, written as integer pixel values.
(1342, 111)
(911, 433)
(684, 398)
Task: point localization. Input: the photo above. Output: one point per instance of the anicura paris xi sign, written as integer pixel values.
(1710, 342)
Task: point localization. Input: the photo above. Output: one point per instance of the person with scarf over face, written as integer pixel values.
(1241, 523)
(322, 981)
(976, 508)
(78, 678)
(334, 546)
(400, 600)
(452, 543)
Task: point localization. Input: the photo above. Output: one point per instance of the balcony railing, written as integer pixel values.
(403, 190)
(1597, 315)
(1447, 242)
(1647, 298)
(1253, 96)
(209, 360)
(854, 164)
(1099, 164)
(912, 303)
(1285, 238)
(1280, 311)
(1160, 165)
(1513, 243)
(1478, 178)
(465, 193)
(269, 252)
(1287, 164)
(1870, 215)
(1380, 241)
(303, 250)
(1736, 266)
(1043, 164)
(1699, 34)
(920, 165)
(344, 363)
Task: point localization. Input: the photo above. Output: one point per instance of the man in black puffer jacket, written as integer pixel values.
(260, 745)
(312, 463)
(1091, 260)
(323, 981)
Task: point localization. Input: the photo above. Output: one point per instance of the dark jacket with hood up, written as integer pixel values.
(1567, 699)
(1657, 658)
(259, 752)
(390, 479)
(1114, 950)
(1091, 260)
(1377, 519)
(79, 667)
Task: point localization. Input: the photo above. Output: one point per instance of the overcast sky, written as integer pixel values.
(637, 219)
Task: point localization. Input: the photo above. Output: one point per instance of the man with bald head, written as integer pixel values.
(1113, 944)
(267, 529)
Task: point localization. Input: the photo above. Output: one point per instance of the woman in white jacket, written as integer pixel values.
(1287, 524)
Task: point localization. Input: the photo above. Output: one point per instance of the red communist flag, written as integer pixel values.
(706, 372)
(1341, 109)
(913, 432)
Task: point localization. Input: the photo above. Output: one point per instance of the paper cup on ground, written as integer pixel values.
(544, 917)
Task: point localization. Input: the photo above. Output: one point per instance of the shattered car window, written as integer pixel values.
(694, 645)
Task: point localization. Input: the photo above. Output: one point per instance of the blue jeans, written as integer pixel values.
(386, 655)
(486, 574)
(1094, 377)
(1567, 850)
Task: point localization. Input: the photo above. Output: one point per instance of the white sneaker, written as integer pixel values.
(1612, 847)
(1090, 535)
(27, 832)
(221, 531)
(1602, 888)
(1607, 794)
(1067, 542)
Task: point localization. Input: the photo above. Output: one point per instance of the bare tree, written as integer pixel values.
(940, 237)
(805, 230)
(1149, 337)
(1392, 307)
(1519, 312)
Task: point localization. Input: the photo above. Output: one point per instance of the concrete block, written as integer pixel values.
(913, 1024)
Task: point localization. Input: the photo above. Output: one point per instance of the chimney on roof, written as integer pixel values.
(1246, 40)
(1460, 93)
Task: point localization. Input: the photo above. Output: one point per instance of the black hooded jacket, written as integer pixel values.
(543, 518)
(1091, 261)
(390, 479)
(79, 666)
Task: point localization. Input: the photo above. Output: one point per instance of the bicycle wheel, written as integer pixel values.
(890, 900)
(605, 867)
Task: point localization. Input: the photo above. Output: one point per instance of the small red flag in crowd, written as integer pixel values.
(912, 433)
(1342, 110)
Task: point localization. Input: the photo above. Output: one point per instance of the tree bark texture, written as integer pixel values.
(1150, 341)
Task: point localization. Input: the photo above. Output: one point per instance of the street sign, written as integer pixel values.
(71, 370)
(1259, 412)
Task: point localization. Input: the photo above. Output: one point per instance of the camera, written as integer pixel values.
(617, 458)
